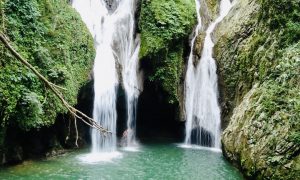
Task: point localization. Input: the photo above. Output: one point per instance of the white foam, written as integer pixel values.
(131, 149)
(93, 158)
(189, 146)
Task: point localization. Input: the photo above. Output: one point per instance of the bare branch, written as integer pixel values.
(54, 88)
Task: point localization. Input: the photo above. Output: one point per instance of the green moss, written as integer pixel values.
(163, 21)
(213, 7)
(283, 16)
(165, 26)
(169, 71)
(276, 105)
(52, 37)
(261, 83)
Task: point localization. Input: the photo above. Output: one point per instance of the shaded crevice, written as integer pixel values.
(156, 117)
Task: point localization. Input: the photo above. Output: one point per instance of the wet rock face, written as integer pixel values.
(112, 4)
(206, 137)
(49, 141)
(15, 155)
(156, 117)
(199, 43)
(208, 13)
(232, 42)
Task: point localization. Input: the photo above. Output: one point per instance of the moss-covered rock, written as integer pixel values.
(209, 10)
(208, 13)
(165, 27)
(258, 57)
(52, 37)
(236, 40)
(213, 8)
(161, 22)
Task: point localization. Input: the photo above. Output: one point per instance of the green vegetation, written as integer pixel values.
(161, 22)
(263, 51)
(165, 27)
(282, 16)
(52, 37)
(168, 72)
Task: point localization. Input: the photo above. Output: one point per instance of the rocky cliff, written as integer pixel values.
(52, 37)
(257, 50)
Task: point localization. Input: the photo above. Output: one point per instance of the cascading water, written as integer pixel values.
(113, 32)
(201, 89)
(128, 46)
(101, 25)
(132, 89)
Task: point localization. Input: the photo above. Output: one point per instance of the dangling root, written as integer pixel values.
(76, 130)
(54, 88)
(69, 130)
(76, 140)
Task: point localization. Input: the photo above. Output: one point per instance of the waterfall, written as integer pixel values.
(201, 89)
(112, 26)
(129, 46)
(102, 26)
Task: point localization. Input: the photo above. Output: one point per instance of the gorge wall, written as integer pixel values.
(258, 57)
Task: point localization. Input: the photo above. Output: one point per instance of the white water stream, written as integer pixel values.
(113, 32)
(127, 47)
(201, 89)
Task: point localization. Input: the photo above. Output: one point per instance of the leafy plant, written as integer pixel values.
(51, 35)
(165, 27)
(164, 21)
